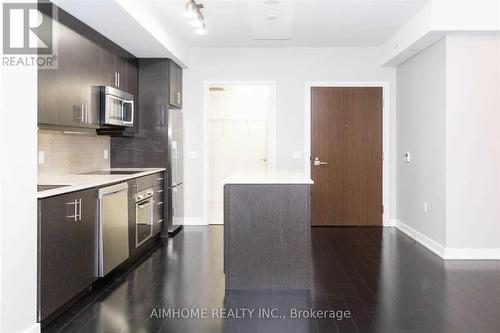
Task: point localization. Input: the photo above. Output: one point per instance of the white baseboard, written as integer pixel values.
(33, 329)
(195, 221)
(421, 238)
(472, 254)
(444, 252)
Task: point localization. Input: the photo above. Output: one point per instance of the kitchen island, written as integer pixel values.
(267, 230)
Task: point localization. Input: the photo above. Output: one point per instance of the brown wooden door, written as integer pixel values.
(346, 133)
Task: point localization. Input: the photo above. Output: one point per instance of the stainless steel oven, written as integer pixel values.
(117, 107)
(144, 205)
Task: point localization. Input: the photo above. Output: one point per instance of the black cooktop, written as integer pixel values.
(111, 172)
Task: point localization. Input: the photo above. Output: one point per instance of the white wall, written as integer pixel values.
(473, 142)
(421, 130)
(290, 68)
(18, 207)
(448, 118)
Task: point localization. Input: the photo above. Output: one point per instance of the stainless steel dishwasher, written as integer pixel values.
(113, 243)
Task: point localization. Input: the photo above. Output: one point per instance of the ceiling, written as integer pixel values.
(322, 23)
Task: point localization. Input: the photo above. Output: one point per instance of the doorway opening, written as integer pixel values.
(240, 135)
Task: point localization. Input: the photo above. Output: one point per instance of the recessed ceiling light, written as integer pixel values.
(272, 17)
(271, 2)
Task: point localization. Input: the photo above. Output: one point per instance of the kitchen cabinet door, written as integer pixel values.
(107, 68)
(89, 79)
(47, 96)
(158, 211)
(66, 248)
(132, 213)
(132, 76)
(69, 107)
(47, 92)
(175, 85)
(121, 72)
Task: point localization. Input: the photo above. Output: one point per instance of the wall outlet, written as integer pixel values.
(41, 157)
(407, 157)
(297, 155)
(106, 154)
(426, 207)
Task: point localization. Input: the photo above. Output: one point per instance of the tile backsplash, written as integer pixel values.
(60, 153)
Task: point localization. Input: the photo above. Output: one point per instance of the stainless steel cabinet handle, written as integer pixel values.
(178, 97)
(80, 209)
(75, 215)
(145, 205)
(118, 80)
(159, 178)
(79, 112)
(86, 112)
(160, 203)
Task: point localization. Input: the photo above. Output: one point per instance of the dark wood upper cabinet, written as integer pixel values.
(89, 82)
(113, 69)
(69, 95)
(132, 76)
(106, 67)
(175, 85)
(66, 248)
(121, 72)
(70, 109)
(47, 96)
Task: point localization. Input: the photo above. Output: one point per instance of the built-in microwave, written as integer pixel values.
(117, 107)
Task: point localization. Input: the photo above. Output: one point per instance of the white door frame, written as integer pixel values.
(271, 132)
(385, 129)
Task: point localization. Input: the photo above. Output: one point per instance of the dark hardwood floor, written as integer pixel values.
(384, 279)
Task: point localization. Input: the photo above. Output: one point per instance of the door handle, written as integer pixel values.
(317, 162)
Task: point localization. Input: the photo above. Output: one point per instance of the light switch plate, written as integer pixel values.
(106, 154)
(193, 155)
(41, 157)
(407, 157)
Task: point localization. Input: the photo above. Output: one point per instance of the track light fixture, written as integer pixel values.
(193, 13)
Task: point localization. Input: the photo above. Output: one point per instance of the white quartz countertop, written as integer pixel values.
(268, 177)
(81, 181)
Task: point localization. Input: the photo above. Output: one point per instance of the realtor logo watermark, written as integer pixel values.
(28, 35)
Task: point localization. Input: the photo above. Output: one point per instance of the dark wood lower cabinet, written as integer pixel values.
(158, 211)
(67, 242)
(267, 236)
(66, 248)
